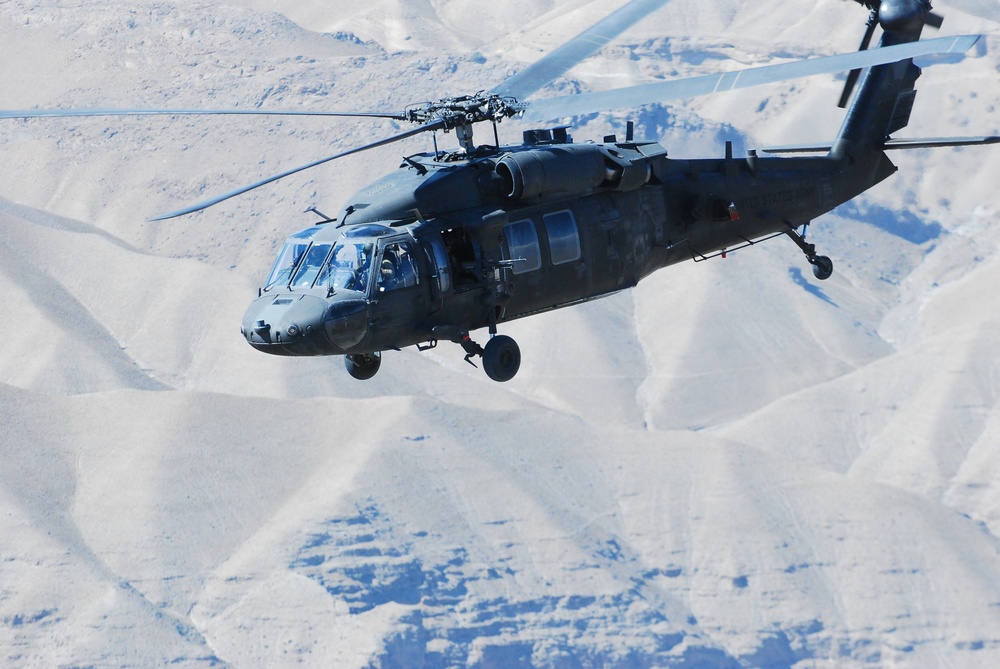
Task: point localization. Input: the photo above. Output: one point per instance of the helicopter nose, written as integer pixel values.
(287, 324)
(346, 323)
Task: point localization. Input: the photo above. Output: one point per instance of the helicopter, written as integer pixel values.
(452, 242)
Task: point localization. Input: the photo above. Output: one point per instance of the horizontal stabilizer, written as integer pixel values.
(936, 142)
(800, 148)
(891, 144)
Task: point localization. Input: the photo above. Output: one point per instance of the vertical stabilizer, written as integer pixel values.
(885, 99)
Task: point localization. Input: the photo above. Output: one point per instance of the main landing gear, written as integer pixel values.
(501, 355)
(822, 265)
(501, 358)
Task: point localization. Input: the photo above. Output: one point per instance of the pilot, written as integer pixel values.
(361, 275)
(389, 277)
(406, 274)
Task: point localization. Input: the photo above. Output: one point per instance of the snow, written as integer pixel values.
(730, 465)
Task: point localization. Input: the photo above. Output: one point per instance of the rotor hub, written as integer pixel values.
(465, 110)
(903, 16)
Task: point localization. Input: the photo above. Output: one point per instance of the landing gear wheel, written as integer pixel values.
(501, 358)
(363, 366)
(822, 267)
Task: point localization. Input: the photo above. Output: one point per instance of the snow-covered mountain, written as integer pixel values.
(731, 465)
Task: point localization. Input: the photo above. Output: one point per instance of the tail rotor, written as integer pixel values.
(894, 16)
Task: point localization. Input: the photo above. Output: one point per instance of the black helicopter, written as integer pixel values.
(452, 242)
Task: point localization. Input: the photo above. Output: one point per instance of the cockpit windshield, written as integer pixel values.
(342, 263)
(310, 266)
(349, 267)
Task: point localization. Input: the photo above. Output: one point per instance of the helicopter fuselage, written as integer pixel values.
(449, 244)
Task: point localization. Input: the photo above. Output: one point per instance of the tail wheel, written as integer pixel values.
(363, 366)
(501, 358)
(822, 267)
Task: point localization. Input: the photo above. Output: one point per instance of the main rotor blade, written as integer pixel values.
(634, 96)
(433, 125)
(69, 113)
(581, 47)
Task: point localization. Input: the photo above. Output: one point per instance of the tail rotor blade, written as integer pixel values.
(852, 81)
(869, 32)
(853, 75)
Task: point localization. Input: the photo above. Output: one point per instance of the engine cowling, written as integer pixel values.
(556, 169)
(567, 168)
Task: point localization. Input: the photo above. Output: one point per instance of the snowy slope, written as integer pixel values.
(731, 465)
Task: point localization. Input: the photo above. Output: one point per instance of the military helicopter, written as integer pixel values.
(456, 241)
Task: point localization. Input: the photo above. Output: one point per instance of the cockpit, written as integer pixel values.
(303, 263)
(329, 284)
(346, 263)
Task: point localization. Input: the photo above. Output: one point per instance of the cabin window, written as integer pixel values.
(564, 238)
(523, 243)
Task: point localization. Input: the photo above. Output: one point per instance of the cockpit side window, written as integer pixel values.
(349, 267)
(398, 267)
